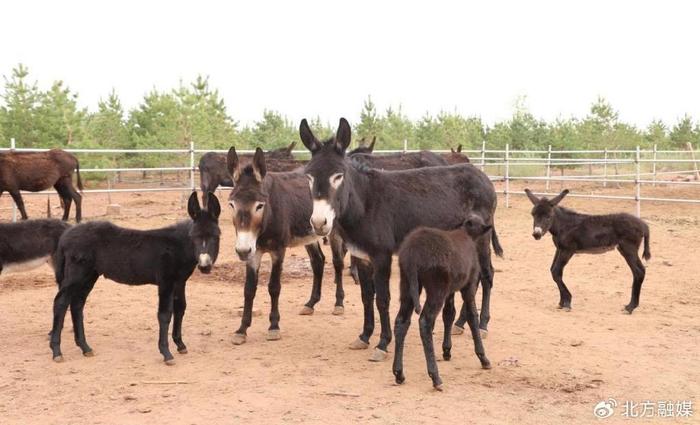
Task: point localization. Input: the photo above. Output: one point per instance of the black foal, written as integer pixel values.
(574, 233)
(165, 257)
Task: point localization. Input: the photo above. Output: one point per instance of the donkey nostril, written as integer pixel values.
(325, 221)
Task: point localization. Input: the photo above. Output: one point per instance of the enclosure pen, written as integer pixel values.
(512, 160)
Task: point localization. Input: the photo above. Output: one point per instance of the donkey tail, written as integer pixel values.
(77, 172)
(496, 244)
(647, 252)
(59, 258)
(414, 287)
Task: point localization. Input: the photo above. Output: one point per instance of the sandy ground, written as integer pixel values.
(550, 367)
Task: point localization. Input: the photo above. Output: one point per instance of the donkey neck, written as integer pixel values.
(562, 218)
(357, 186)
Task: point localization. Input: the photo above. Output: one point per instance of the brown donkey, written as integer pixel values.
(574, 233)
(37, 171)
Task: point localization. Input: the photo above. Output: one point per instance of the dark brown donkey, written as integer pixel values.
(574, 233)
(213, 171)
(374, 210)
(270, 213)
(29, 244)
(455, 156)
(441, 262)
(37, 171)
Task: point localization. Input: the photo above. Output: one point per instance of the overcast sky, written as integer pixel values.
(322, 58)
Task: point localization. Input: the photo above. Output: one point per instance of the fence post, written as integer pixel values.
(405, 145)
(653, 165)
(191, 165)
(483, 154)
(507, 185)
(605, 167)
(14, 206)
(549, 166)
(695, 163)
(638, 185)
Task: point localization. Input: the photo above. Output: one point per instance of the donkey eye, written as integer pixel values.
(259, 206)
(336, 179)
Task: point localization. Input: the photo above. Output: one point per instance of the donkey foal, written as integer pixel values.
(442, 262)
(165, 257)
(574, 233)
(29, 244)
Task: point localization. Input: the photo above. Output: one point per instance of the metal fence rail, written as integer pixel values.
(504, 159)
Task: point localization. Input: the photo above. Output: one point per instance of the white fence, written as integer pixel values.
(505, 160)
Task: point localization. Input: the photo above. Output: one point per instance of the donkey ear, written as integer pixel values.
(213, 205)
(370, 148)
(531, 196)
(307, 137)
(233, 164)
(559, 197)
(343, 135)
(193, 208)
(259, 168)
(452, 150)
(290, 148)
(459, 148)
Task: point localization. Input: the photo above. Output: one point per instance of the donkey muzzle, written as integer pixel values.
(537, 233)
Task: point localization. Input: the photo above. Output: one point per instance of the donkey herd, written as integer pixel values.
(436, 212)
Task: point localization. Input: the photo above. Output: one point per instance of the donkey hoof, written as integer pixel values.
(169, 362)
(58, 359)
(273, 335)
(438, 387)
(182, 350)
(484, 333)
(90, 353)
(338, 310)
(306, 311)
(627, 310)
(486, 365)
(359, 344)
(457, 330)
(238, 339)
(379, 355)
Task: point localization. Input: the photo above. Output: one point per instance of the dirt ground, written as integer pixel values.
(550, 367)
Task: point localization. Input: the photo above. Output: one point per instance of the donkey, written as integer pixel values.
(575, 233)
(37, 171)
(400, 160)
(271, 213)
(363, 148)
(165, 257)
(214, 173)
(455, 156)
(374, 210)
(441, 262)
(29, 244)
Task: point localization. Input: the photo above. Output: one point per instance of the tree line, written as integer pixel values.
(195, 111)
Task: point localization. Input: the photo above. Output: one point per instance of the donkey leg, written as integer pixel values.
(75, 195)
(77, 307)
(274, 287)
(473, 320)
(179, 307)
(561, 258)
(165, 314)
(65, 195)
(401, 325)
(486, 278)
(60, 305)
(382, 273)
(458, 328)
(338, 251)
(364, 269)
(448, 316)
(426, 324)
(317, 260)
(630, 253)
(251, 286)
(17, 197)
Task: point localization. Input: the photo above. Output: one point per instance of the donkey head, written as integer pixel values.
(456, 156)
(282, 153)
(475, 226)
(326, 172)
(247, 199)
(205, 231)
(543, 212)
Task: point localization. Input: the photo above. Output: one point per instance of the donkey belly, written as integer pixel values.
(597, 250)
(23, 266)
